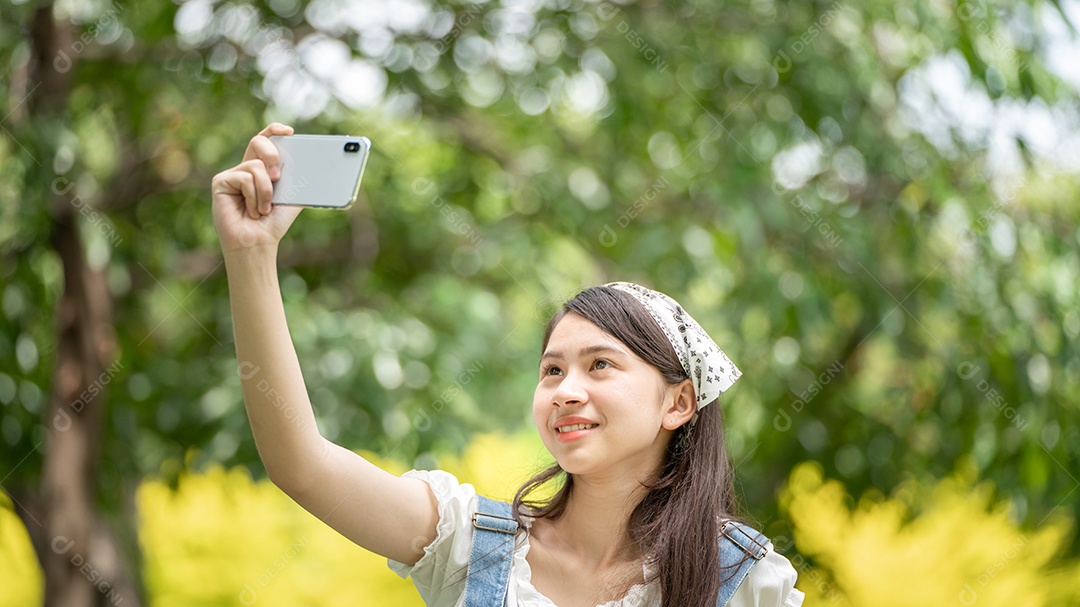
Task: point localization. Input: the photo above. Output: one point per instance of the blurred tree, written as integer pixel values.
(866, 204)
(78, 554)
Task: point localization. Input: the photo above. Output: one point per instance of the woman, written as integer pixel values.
(622, 403)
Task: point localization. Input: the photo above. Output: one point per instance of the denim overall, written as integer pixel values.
(493, 549)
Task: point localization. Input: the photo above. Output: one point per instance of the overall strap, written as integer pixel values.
(741, 547)
(492, 554)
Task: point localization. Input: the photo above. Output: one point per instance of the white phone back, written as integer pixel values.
(316, 171)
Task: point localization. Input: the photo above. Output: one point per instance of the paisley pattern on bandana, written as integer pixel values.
(711, 371)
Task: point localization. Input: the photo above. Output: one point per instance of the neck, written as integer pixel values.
(601, 541)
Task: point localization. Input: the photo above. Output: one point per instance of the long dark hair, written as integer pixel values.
(678, 520)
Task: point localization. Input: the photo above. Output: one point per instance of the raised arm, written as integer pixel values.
(389, 515)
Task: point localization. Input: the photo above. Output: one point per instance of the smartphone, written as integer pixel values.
(320, 170)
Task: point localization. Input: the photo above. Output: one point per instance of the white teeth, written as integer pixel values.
(576, 427)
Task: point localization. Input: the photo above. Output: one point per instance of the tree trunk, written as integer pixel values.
(81, 564)
(82, 561)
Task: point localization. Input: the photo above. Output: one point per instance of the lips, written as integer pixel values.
(573, 427)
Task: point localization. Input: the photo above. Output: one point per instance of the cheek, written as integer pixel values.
(539, 410)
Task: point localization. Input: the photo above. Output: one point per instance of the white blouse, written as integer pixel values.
(439, 574)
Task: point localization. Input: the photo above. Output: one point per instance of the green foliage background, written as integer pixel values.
(899, 302)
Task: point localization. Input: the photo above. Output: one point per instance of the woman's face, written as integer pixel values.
(589, 377)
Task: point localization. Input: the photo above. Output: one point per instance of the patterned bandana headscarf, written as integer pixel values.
(704, 362)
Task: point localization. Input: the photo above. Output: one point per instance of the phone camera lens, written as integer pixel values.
(352, 146)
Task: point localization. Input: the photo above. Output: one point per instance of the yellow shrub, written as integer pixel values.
(497, 465)
(20, 574)
(947, 546)
(223, 539)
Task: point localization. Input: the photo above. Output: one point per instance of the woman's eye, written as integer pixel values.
(552, 370)
(601, 364)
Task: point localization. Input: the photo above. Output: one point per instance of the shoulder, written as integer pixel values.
(457, 501)
(440, 575)
(436, 575)
(771, 583)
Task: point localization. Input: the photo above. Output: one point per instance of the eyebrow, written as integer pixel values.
(584, 351)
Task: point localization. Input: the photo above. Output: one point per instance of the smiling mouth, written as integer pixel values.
(575, 428)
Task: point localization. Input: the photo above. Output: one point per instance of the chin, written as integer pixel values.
(580, 464)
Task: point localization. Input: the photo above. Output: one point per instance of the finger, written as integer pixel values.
(263, 187)
(251, 184)
(231, 182)
(276, 128)
(246, 181)
(263, 149)
(222, 184)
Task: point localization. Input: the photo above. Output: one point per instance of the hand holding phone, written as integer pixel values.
(244, 218)
(320, 170)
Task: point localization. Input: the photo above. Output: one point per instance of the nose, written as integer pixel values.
(571, 391)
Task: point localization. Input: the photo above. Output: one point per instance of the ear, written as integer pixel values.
(682, 405)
